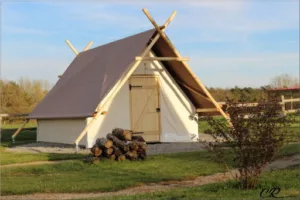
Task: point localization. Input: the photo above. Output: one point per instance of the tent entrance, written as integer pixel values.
(145, 107)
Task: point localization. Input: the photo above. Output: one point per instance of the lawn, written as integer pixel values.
(287, 180)
(77, 176)
(27, 135)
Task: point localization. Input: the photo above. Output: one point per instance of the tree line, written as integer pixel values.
(23, 95)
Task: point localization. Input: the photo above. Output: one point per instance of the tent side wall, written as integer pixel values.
(176, 109)
(117, 116)
(60, 130)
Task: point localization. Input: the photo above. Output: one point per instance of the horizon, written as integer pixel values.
(243, 44)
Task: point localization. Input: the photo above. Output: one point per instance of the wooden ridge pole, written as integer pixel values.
(163, 35)
(121, 82)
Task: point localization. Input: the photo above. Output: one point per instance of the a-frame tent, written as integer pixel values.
(96, 76)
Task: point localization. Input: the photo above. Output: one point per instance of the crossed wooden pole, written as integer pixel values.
(160, 30)
(75, 51)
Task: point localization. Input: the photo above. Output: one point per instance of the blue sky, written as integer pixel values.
(229, 43)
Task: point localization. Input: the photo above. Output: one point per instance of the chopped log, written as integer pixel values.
(117, 151)
(104, 143)
(133, 145)
(96, 151)
(138, 138)
(121, 157)
(96, 160)
(108, 151)
(124, 135)
(111, 157)
(141, 154)
(142, 145)
(131, 155)
(119, 143)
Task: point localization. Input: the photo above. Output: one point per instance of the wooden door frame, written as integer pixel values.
(158, 100)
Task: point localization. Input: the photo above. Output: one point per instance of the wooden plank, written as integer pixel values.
(207, 110)
(162, 58)
(291, 100)
(193, 90)
(186, 65)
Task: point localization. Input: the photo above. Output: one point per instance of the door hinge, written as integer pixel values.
(134, 86)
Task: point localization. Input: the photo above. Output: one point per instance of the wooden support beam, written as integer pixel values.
(19, 130)
(88, 46)
(193, 90)
(75, 51)
(161, 58)
(163, 35)
(71, 46)
(207, 110)
(120, 83)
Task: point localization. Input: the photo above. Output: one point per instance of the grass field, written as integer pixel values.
(289, 184)
(76, 176)
(28, 135)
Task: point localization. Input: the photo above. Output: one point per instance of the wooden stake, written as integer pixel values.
(163, 35)
(162, 58)
(19, 130)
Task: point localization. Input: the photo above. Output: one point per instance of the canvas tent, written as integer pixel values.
(140, 83)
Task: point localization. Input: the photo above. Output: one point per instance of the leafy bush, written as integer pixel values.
(256, 136)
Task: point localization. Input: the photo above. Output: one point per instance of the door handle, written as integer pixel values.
(157, 109)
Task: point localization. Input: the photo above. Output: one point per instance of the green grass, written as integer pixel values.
(76, 176)
(27, 135)
(290, 150)
(287, 180)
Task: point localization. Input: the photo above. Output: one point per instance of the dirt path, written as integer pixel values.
(148, 188)
(33, 163)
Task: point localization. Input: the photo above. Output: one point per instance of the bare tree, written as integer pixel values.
(284, 81)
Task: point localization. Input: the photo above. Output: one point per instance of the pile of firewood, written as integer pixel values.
(119, 145)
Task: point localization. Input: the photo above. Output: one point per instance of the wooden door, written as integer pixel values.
(145, 109)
